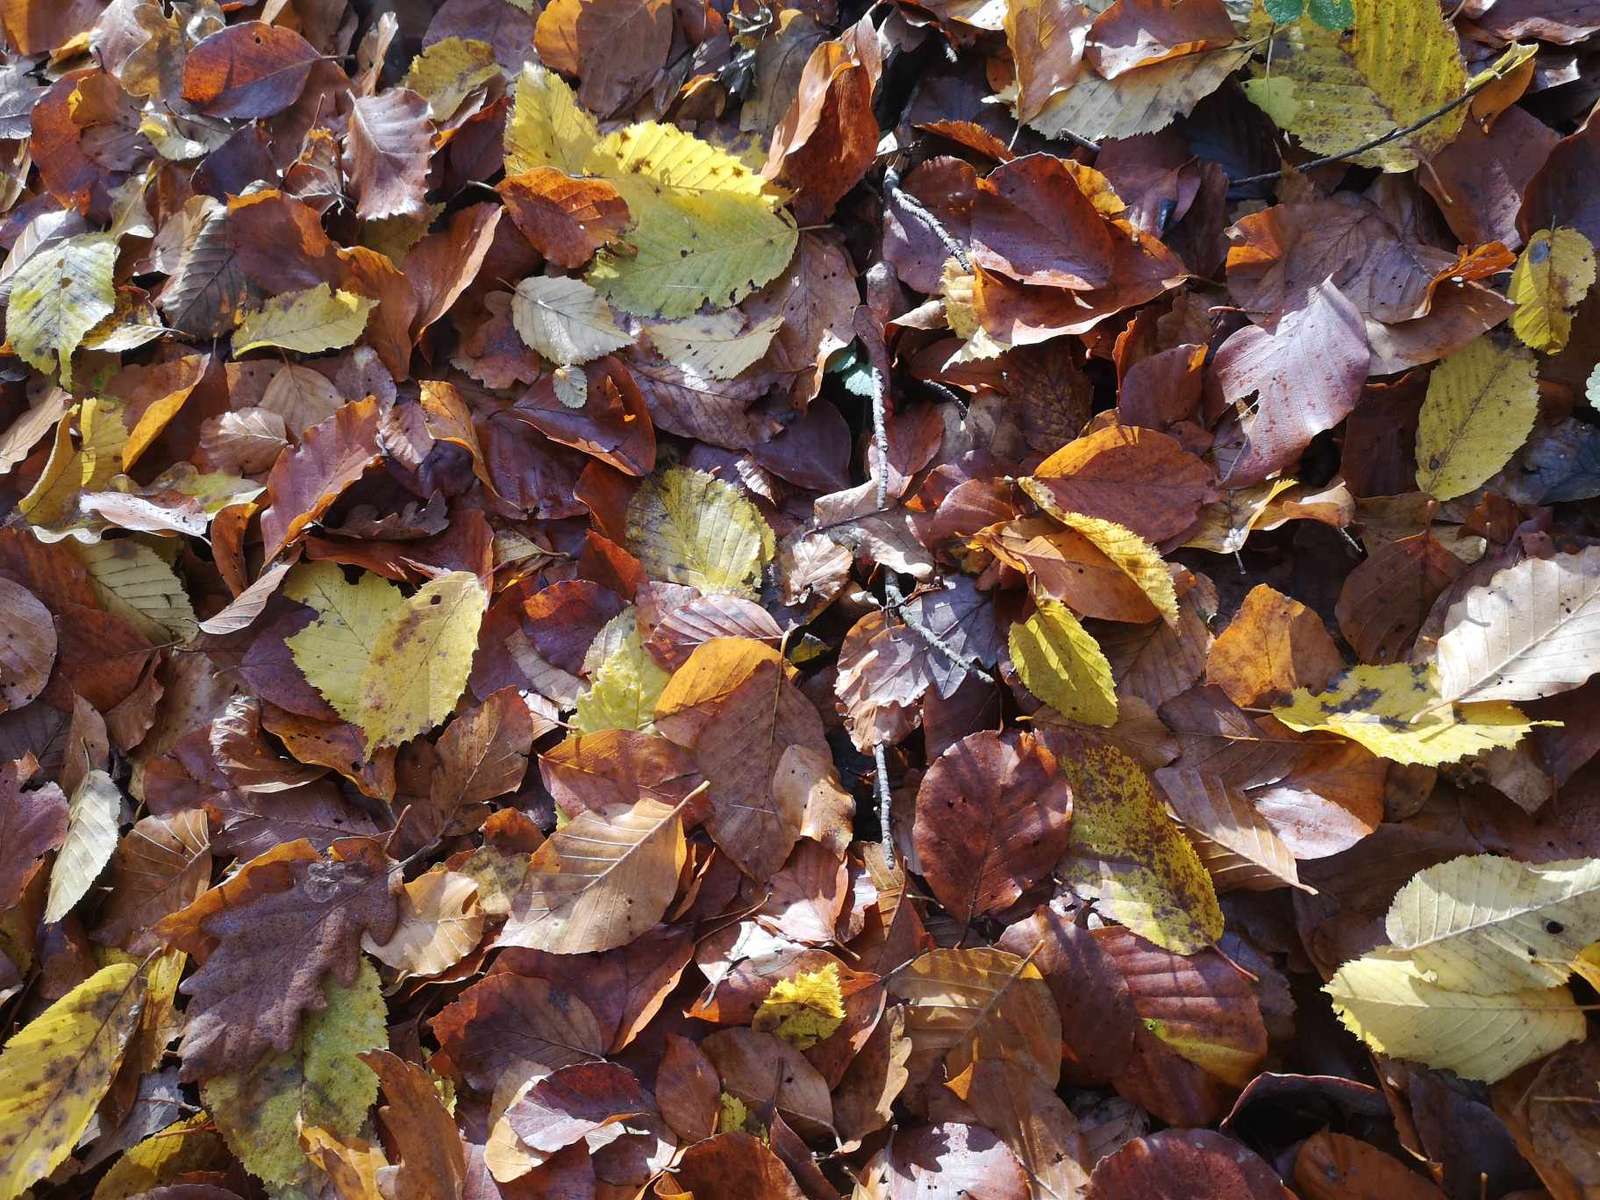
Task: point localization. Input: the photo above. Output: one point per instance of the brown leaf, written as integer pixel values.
(686, 1090)
(614, 46)
(565, 219)
(1305, 378)
(765, 1072)
(483, 753)
(388, 146)
(433, 1163)
(247, 70)
(509, 1022)
(307, 479)
(733, 1164)
(992, 817)
(1143, 480)
(161, 865)
(27, 645)
(1385, 601)
(1195, 1163)
(1138, 33)
(733, 706)
(1274, 645)
(581, 1102)
(944, 1162)
(32, 824)
(829, 136)
(266, 939)
(1331, 1166)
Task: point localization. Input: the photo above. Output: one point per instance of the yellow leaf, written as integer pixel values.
(1062, 665)
(182, 1147)
(1396, 712)
(1480, 407)
(548, 128)
(1335, 89)
(52, 503)
(565, 320)
(706, 228)
(54, 1072)
(1482, 923)
(706, 231)
(390, 665)
(626, 683)
(688, 527)
(1126, 851)
(308, 321)
(448, 71)
(1555, 271)
(804, 1010)
(320, 1080)
(58, 296)
(599, 881)
(1391, 1006)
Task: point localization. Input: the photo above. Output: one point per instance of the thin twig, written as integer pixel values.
(881, 761)
(891, 185)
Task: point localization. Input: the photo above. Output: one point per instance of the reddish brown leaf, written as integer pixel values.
(247, 70)
(1192, 1163)
(566, 219)
(992, 817)
(307, 479)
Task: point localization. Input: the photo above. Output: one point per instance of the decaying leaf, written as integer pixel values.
(56, 1068)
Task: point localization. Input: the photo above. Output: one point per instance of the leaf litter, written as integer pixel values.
(762, 601)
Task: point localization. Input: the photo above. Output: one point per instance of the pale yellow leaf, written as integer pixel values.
(1391, 1006)
(1482, 923)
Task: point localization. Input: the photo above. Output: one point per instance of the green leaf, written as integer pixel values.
(1332, 14)
(58, 296)
(320, 1080)
(1284, 11)
(308, 321)
(54, 1072)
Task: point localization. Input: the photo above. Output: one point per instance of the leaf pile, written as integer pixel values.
(612, 599)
